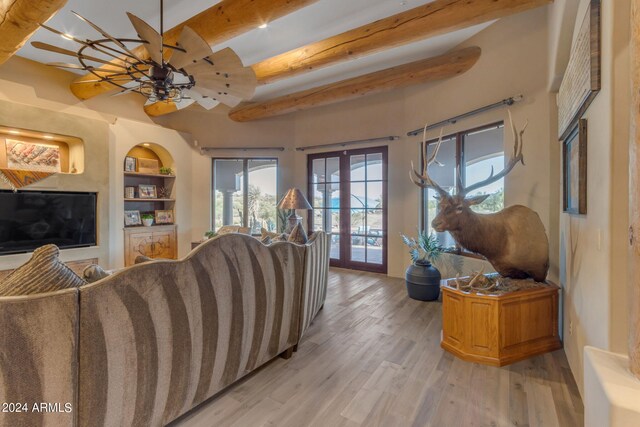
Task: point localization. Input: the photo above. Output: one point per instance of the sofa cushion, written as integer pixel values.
(44, 272)
(93, 273)
(226, 229)
(298, 235)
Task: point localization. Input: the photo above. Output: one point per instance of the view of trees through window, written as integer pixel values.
(474, 153)
(245, 193)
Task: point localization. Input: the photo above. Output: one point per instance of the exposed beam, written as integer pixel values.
(160, 108)
(429, 20)
(225, 20)
(440, 67)
(19, 19)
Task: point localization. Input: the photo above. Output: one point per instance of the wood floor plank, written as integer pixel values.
(372, 357)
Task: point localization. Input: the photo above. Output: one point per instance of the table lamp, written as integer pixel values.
(294, 199)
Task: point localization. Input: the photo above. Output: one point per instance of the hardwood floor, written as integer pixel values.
(372, 358)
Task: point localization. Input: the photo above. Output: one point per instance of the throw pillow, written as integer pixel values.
(44, 272)
(284, 237)
(266, 240)
(266, 233)
(298, 235)
(141, 258)
(93, 273)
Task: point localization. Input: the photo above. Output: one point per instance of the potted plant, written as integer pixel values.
(147, 219)
(422, 278)
(166, 171)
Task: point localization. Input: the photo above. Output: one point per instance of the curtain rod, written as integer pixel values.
(345, 143)
(452, 120)
(204, 149)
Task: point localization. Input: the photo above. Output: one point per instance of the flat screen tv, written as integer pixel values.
(30, 219)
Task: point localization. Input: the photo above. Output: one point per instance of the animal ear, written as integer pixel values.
(476, 200)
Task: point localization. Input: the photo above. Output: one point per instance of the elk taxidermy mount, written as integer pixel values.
(182, 74)
(513, 240)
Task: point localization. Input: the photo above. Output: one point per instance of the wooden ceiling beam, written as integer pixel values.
(222, 22)
(432, 19)
(437, 68)
(19, 19)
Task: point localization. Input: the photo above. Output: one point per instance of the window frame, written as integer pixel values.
(459, 138)
(245, 186)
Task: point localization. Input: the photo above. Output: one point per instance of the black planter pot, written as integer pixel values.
(423, 281)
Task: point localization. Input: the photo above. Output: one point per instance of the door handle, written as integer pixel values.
(631, 235)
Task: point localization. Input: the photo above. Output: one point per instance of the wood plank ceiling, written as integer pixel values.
(231, 18)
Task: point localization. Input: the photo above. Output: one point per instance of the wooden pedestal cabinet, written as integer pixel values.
(158, 241)
(500, 329)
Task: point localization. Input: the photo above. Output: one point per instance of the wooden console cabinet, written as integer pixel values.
(158, 241)
(500, 329)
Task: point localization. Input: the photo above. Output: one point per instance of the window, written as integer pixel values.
(245, 193)
(473, 153)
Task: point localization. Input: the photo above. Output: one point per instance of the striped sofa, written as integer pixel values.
(152, 341)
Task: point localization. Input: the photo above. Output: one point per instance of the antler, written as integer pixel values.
(517, 157)
(423, 180)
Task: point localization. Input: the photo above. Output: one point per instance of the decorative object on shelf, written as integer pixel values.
(151, 166)
(147, 191)
(294, 199)
(164, 217)
(129, 192)
(513, 240)
(33, 156)
(192, 74)
(147, 220)
(166, 171)
(164, 192)
(421, 277)
(574, 170)
(210, 235)
(582, 78)
(130, 164)
(132, 218)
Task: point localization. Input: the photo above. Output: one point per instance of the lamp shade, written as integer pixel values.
(294, 199)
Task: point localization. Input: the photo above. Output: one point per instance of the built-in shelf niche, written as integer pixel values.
(135, 178)
(70, 149)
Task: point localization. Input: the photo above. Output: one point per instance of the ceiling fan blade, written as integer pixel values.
(219, 96)
(223, 71)
(151, 36)
(105, 50)
(62, 51)
(194, 45)
(204, 101)
(66, 65)
(108, 36)
(235, 84)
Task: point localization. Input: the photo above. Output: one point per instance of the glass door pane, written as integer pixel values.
(229, 195)
(348, 191)
(262, 195)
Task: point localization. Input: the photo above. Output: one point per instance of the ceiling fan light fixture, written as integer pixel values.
(154, 77)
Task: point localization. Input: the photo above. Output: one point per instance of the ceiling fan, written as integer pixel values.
(183, 74)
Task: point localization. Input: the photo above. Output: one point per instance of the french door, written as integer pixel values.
(348, 193)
